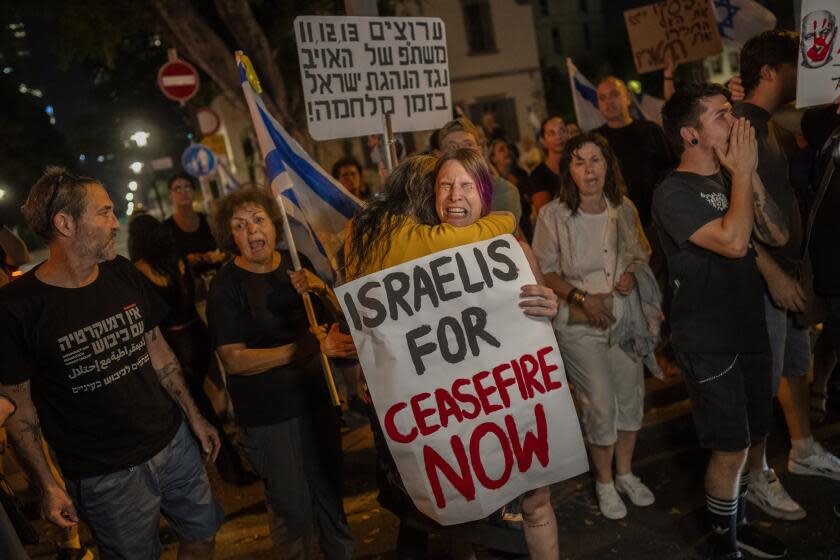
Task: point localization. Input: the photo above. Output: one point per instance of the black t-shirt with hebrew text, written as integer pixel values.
(101, 406)
(718, 302)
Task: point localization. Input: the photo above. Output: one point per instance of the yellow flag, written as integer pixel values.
(250, 73)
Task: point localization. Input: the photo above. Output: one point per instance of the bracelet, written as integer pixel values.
(576, 297)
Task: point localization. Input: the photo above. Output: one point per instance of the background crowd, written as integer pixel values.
(701, 248)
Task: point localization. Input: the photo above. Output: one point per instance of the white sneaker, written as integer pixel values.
(820, 462)
(765, 491)
(639, 494)
(609, 501)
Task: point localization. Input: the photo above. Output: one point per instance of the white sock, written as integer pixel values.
(803, 447)
(604, 485)
(624, 477)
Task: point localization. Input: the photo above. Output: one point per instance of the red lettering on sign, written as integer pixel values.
(475, 454)
(391, 428)
(462, 481)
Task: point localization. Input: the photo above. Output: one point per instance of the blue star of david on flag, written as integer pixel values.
(727, 22)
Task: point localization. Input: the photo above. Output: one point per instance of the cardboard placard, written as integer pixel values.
(818, 80)
(470, 392)
(684, 29)
(355, 69)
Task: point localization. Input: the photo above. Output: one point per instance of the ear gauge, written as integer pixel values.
(694, 141)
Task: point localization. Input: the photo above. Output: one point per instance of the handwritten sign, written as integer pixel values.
(682, 29)
(354, 70)
(470, 392)
(818, 80)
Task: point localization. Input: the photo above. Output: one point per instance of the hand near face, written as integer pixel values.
(736, 88)
(742, 153)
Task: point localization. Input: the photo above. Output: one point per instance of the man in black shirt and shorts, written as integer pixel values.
(82, 355)
(706, 219)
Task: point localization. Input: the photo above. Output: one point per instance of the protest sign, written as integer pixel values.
(470, 392)
(355, 69)
(684, 29)
(818, 80)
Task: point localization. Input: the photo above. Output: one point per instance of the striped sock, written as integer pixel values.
(722, 514)
(742, 497)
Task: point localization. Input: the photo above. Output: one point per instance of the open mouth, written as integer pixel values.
(456, 212)
(257, 245)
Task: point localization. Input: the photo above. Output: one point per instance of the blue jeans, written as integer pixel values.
(790, 346)
(123, 508)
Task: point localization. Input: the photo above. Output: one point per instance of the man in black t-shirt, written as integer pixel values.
(640, 146)
(705, 220)
(81, 353)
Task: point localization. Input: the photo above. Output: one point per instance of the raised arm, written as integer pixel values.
(770, 225)
(168, 370)
(25, 432)
(730, 235)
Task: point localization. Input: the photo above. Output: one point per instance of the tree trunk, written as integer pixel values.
(199, 44)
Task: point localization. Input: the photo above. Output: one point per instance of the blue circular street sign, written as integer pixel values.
(198, 160)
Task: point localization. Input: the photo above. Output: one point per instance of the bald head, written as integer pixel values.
(614, 102)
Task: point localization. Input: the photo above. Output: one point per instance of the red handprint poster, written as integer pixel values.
(819, 53)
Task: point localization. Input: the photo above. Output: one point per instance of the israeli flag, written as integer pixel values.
(585, 98)
(740, 20)
(317, 206)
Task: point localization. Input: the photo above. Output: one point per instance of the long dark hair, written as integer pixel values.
(614, 187)
(409, 193)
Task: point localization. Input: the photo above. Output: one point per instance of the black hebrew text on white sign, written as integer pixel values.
(354, 70)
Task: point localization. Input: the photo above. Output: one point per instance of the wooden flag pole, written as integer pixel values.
(307, 303)
(290, 240)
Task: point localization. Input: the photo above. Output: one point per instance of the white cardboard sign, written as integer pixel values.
(818, 80)
(470, 392)
(355, 69)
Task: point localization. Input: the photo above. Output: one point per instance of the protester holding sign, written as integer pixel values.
(462, 194)
(591, 247)
(408, 190)
(287, 428)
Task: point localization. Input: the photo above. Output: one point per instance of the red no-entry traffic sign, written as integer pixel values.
(178, 80)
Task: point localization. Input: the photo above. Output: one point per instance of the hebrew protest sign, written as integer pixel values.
(355, 69)
(818, 80)
(470, 392)
(682, 29)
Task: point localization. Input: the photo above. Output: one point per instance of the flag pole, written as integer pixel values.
(307, 301)
(390, 144)
(571, 69)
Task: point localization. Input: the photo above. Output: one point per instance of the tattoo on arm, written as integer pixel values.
(768, 217)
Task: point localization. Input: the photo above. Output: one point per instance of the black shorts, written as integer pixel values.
(731, 397)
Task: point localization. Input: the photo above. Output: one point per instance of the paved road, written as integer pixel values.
(667, 459)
